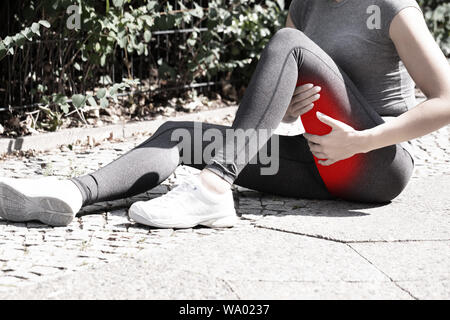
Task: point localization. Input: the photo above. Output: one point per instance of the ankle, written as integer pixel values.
(213, 182)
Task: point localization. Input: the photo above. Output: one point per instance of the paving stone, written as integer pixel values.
(43, 270)
(205, 269)
(429, 289)
(312, 290)
(265, 255)
(7, 283)
(421, 212)
(114, 283)
(249, 257)
(409, 261)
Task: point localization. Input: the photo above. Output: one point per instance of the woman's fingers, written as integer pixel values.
(316, 150)
(315, 147)
(314, 139)
(327, 162)
(303, 88)
(306, 93)
(319, 155)
(305, 101)
(298, 111)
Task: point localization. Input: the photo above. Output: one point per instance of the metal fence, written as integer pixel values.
(20, 75)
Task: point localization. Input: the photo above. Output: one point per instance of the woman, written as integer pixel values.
(352, 60)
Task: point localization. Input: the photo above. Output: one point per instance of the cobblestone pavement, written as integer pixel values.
(397, 251)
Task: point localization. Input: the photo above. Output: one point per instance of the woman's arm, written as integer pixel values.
(430, 70)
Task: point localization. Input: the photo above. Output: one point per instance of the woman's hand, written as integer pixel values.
(302, 101)
(341, 143)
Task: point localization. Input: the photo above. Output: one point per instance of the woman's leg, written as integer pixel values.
(154, 160)
(55, 202)
(379, 175)
(290, 56)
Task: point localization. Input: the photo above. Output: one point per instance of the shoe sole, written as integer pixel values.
(18, 207)
(228, 221)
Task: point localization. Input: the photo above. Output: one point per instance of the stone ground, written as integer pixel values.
(282, 248)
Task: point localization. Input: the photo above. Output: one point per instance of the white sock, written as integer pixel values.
(74, 196)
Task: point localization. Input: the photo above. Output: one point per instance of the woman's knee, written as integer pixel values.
(287, 39)
(286, 34)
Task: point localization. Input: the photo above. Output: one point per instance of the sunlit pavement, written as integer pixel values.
(282, 248)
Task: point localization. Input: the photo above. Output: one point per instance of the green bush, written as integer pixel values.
(437, 14)
(112, 30)
(236, 32)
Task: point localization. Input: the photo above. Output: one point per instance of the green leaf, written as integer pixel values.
(78, 100)
(148, 20)
(152, 5)
(59, 99)
(27, 33)
(103, 60)
(7, 41)
(101, 93)
(65, 107)
(3, 50)
(92, 101)
(35, 28)
(20, 39)
(104, 103)
(118, 3)
(198, 11)
(45, 23)
(147, 36)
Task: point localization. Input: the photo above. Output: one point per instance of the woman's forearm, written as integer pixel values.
(425, 118)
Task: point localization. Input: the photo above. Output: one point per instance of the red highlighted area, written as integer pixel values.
(338, 176)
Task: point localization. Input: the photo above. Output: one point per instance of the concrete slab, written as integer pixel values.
(204, 268)
(266, 290)
(409, 261)
(421, 212)
(129, 279)
(268, 255)
(427, 289)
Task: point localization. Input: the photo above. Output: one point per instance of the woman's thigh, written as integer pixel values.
(376, 176)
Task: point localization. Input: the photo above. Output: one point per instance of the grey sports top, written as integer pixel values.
(355, 33)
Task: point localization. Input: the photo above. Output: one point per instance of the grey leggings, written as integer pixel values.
(289, 55)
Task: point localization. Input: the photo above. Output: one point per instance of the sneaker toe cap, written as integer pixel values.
(137, 212)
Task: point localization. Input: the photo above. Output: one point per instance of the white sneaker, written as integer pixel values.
(49, 200)
(188, 205)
